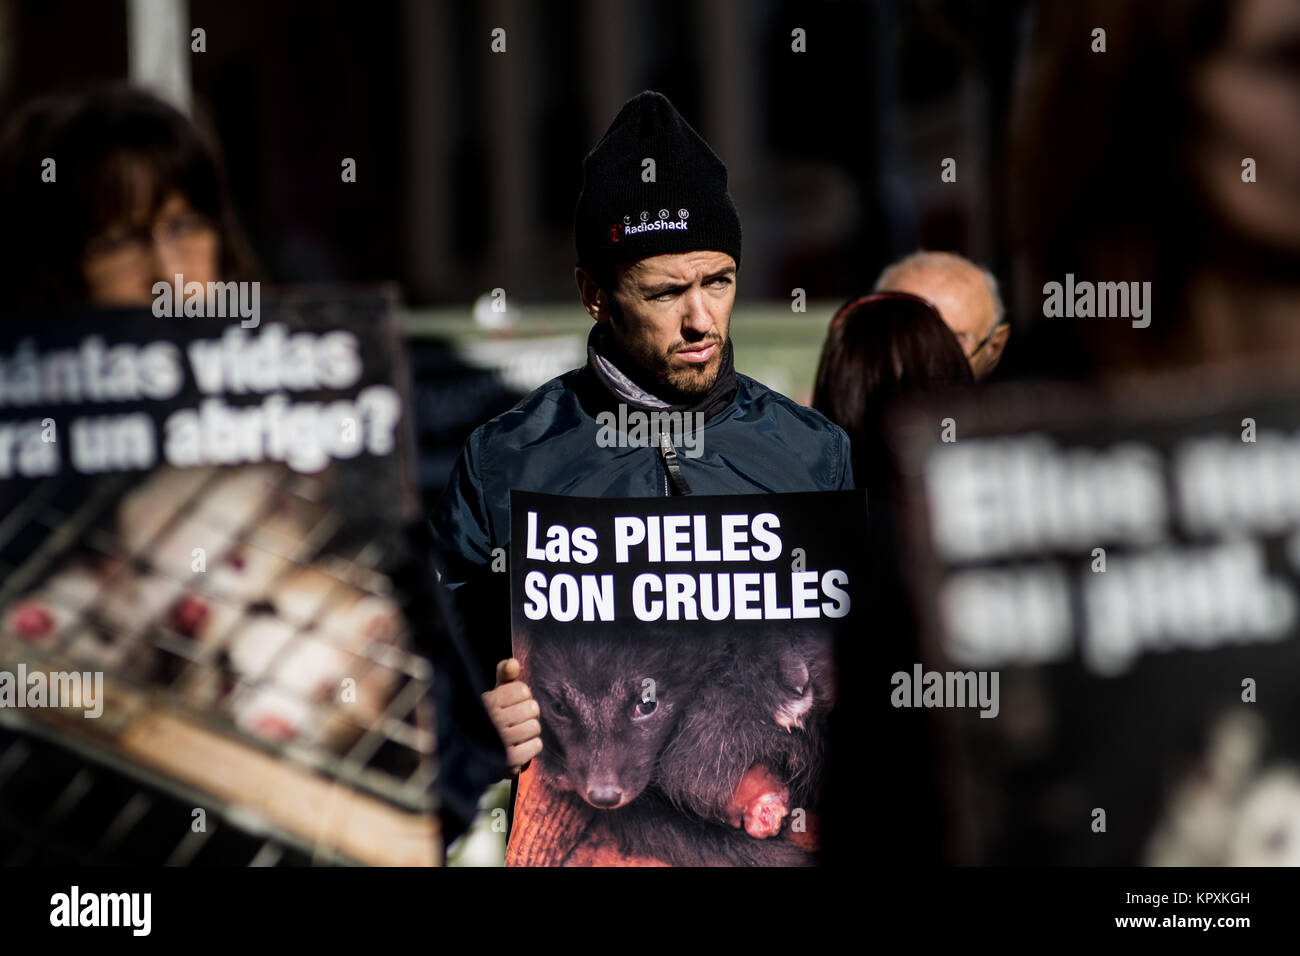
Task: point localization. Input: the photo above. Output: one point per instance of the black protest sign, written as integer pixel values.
(210, 521)
(681, 652)
(1108, 654)
(313, 381)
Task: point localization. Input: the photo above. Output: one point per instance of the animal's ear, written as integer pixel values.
(794, 670)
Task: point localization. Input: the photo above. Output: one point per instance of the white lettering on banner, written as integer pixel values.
(678, 596)
(693, 545)
(996, 497)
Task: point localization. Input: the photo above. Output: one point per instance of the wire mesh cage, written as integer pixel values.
(256, 665)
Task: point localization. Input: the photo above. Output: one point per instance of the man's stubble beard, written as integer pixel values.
(654, 371)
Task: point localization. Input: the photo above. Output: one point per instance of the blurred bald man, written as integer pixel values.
(966, 297)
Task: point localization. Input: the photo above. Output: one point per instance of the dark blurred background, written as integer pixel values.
(1124, 162)
(468, 161)
(1113, 159)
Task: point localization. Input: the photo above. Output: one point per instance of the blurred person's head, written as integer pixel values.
(1127, 165)
(965, 296)
(135, 195)
(1245, 99)
(881, 349)
(658, 242)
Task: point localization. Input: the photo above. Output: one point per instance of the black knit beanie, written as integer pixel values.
(622, 217)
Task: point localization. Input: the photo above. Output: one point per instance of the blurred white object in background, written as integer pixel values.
(1228, 810)
(492, 311)
(484, 843)
(524, 364)
(1268, 828)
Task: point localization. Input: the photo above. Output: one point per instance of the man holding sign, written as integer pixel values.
(658, 240)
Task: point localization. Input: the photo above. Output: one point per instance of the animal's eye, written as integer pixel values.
(560, 709)
(644, 708)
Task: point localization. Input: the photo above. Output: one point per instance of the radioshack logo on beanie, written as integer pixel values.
(648, 224)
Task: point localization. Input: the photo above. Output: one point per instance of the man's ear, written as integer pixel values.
(594, 298)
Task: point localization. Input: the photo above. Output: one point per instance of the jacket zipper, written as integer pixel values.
(672, 467)
(663, 466)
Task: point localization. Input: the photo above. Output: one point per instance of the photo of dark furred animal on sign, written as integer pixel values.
(683, 666)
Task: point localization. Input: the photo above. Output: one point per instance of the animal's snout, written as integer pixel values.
(605, 797)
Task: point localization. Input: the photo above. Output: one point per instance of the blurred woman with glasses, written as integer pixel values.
(135, 194)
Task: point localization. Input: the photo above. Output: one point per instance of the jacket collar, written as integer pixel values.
(605, 363)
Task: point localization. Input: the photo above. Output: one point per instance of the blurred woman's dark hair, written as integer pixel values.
(116, 150)
(883, 348)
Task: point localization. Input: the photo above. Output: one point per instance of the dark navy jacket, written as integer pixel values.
(760, 443)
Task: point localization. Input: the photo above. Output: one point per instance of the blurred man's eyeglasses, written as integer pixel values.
(124, 245)
(965, 337)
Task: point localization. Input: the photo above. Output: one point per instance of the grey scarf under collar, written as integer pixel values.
(601, 357)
